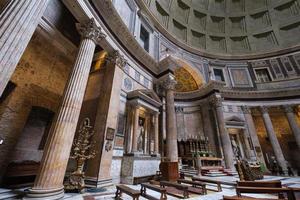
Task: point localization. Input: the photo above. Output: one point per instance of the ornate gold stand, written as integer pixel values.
(81, 153)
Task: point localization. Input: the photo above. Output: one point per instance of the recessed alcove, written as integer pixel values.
(265, 40)
(199, 20)
(179, 30)
(198, 39)
(217, 24)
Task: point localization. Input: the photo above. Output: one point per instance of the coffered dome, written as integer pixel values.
(233, 27)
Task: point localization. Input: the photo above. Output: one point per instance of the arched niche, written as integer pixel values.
(188, 79)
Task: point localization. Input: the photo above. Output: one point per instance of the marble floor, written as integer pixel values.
(227, 190)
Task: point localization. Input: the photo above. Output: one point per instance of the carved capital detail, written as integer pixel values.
(246, 109)
(216, 101)
(117, 59)
(288, 108)
(90, 30)
(263, 109)
(169, 83)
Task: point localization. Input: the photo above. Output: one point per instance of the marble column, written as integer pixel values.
(253, 135)
(289, 111)
(216, 102)
(172, 149)
(135, 133)
(49, 181)
(156, 134)
(273, 139)
(18, 22)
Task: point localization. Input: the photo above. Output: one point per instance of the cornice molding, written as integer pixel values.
(106, 10)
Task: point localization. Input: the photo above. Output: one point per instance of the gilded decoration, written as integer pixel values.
(185, 81)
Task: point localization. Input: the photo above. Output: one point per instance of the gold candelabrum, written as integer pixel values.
(82, 150)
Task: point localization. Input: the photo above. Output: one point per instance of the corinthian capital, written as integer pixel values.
(246, 109)
(90, 30)
(288, 108)
(117, 59)
(216, 101)
(263, 109)
(169, 82)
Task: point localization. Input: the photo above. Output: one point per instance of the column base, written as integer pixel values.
(50, 194)
(94, 182)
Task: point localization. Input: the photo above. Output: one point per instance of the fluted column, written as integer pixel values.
(49, 181)
(252, 131)
(273, 139)
(172, 149)
(18, 22)
(216, 102)
(156, 134)
(135, 129)
(289, 111)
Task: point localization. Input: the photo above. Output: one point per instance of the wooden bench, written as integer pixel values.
(243, 186)
(180, 187)
(265, 190)
(218, 183)
(162, 191)
(245, 198)
(135, 194)
(195, 184)
(275, 184)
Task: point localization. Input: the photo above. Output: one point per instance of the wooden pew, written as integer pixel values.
(162, 191)
(218, 183)
(275, 184)
(265, 190)
(180, 187)
(245, 198)
(135, 194)
(242, 186)
(195, 184)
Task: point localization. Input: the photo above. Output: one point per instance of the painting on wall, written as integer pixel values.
(240, 77)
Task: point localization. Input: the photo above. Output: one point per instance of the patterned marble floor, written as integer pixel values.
(227, 190)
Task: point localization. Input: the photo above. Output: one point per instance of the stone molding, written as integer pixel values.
(116, 58)
(106, 9)
(89, 30)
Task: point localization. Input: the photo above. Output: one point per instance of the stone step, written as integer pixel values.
(7, 194)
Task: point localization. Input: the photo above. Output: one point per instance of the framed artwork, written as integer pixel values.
(110, 133)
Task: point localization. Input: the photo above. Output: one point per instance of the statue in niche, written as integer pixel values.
(235, 148)
(141, 131)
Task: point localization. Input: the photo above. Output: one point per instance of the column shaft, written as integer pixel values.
(135, 130)
(273, 139)
(225, 139)
(253, 134)
(18, 22)
(49, 180)
(293, 123)
(156, 134)
(172, 149)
